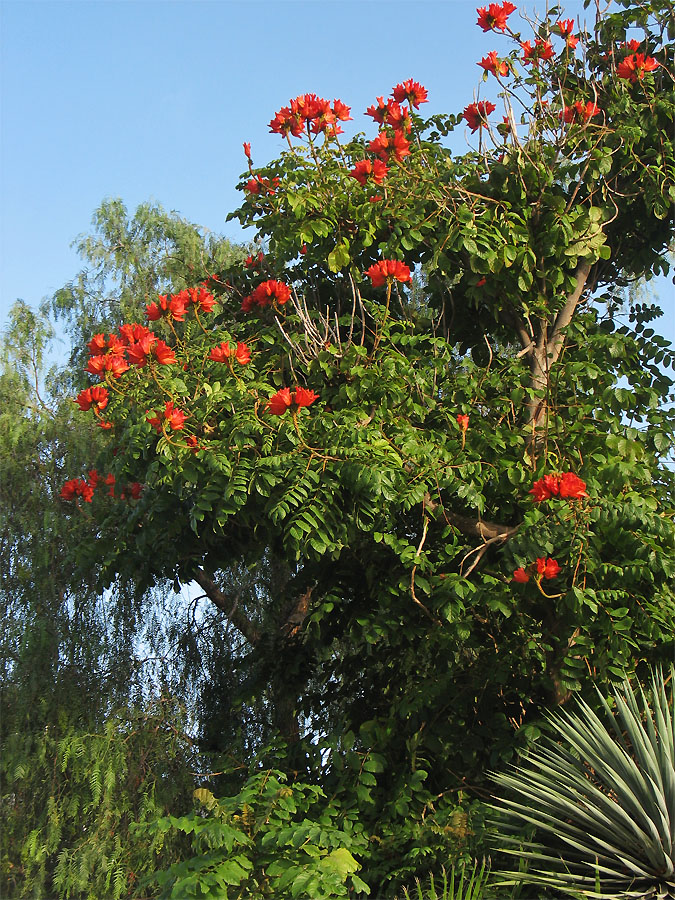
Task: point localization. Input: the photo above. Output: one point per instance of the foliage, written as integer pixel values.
(272, 839)
(412, 452)
(462, 885)
(601, 795)
(69, 797)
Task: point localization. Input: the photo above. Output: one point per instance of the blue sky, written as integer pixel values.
(152, 100)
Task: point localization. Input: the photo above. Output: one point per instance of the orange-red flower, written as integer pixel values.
(94, 396)
(266, 293)
(174, 306)
(568, 486)
(287, 399)
(564, 28)
(492, 63)
(164, 354)
(476, 114)
(366, 169)
(580, 112)
(636, 66)
(493, 17)
(541, 50)
(385, 144)
(78, 487)
(547, 568)
(172, 415)
(224, 352)
(463, 421)
(521, 576)
(247, 149)
(139, 352)
(388, 270)
(97, 344)
(572, 487)
(412, 91)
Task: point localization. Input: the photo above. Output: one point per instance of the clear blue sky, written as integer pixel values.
(152, 100)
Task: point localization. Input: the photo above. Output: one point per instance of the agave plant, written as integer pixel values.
(601, 802)
(470, 885)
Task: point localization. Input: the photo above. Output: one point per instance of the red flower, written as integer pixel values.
(541, 50)
(201, 298)
(94, 396)
(117, 365)
(252, 261)
(341, 110)
(572, 487)
(286, 122)
(164, 354)
(492, 63)
(287, 399)
(97, 344)
(580, 112)
(135, 489)
(247, 150)
(388, 270)
(564, 28)
(635, 66)
(412, 91)
(138, 353)
(494, 17)
(568, 486)
(521, 576)
(268, 292)
(631, 45)
(106, 426)
(223, 352)
(129, 334)
(280, 402)
(547, 568)
(78, 487)
(463, 422)
(174, 416)
(476, 114)
(365, 168)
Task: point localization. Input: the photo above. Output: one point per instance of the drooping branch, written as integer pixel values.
(231, 608)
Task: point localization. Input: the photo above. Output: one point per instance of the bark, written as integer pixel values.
(229, 606)
(546, 351)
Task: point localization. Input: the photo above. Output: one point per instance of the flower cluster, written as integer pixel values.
(172, 416)
(81, 487)
(369, 170)
(564, 28)
(288, 399)
(492, 63)
(494, 16)
(567, 486)
(312, 114)
(176, 306)
(226, 353)
(259, 185)
(93, 397)
(540, 50)
(388, 270)
(265, 294)
(476, 114)
(541, 569)
(579, 112)
(635, 67)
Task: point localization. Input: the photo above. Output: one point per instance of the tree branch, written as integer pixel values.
(243, 625)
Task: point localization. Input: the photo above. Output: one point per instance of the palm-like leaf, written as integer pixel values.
(602, 802)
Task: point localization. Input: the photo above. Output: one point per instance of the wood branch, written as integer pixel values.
(471, 526)
(548, 349)
(240, 621)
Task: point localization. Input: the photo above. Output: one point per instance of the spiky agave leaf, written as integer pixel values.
(602, 804)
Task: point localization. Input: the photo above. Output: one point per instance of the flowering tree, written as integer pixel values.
(421, 403)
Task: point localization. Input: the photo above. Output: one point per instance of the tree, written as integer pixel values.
(81, 667)
(459, 482)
